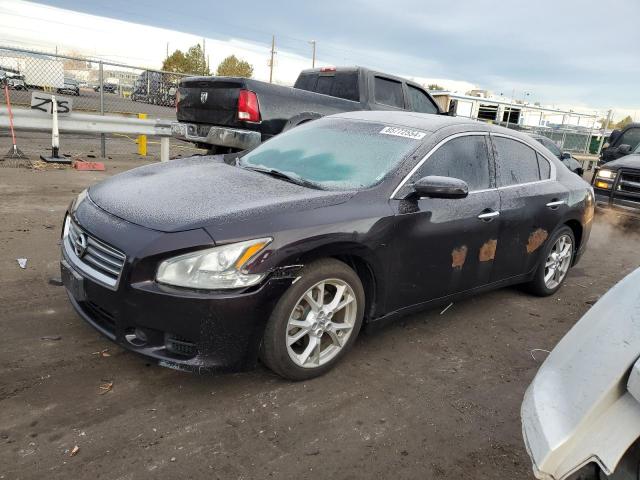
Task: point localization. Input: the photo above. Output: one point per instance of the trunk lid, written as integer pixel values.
(210, 100)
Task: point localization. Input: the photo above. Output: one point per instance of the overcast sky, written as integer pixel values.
(579, 53)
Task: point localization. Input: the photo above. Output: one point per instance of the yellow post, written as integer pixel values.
(142, 139)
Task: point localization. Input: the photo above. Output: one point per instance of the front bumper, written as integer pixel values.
(582, 407)
(185, 330)
(624, 206)
(218, 136)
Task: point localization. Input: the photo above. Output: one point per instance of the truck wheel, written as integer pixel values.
(315, 322)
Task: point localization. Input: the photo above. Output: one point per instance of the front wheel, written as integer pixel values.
(555, 263)
(315, 322)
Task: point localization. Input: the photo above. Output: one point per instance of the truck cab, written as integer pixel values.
(621, 143)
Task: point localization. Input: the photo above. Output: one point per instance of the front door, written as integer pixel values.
(445, 246)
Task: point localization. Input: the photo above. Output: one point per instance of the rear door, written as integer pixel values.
(532, 204)
(445, 246)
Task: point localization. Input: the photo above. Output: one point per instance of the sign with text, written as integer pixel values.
(42, 101)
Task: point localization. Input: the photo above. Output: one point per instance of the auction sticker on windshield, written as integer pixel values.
(403, 132)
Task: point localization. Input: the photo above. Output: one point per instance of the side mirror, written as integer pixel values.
(441, 187)
(565, 156)
(624, 149)
(614, 136)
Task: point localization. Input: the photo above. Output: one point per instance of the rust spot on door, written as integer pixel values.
(536, 239)
(458, 257)
(488, 250)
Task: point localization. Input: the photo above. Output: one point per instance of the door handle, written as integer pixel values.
(555, 204)
(488, 216)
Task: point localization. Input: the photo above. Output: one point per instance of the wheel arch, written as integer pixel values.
(362, 260)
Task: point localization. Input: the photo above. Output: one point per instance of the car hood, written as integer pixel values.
(202, 191)
(628, 161)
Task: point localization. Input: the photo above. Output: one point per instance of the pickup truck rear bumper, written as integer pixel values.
(218, 136)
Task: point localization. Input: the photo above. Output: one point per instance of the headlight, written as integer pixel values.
(608, 174)
(213, 268)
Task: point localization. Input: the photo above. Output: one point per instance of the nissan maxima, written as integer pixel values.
(282, 253)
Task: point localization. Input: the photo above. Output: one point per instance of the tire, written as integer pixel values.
(539, 286)
(334, 334)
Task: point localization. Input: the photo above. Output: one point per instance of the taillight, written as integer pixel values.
(248, 108)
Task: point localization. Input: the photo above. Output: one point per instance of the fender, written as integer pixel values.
(300, 119)
(583, 406)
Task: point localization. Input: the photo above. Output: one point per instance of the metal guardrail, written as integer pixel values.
(30, 120)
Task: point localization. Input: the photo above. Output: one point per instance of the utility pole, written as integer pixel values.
(167, 49)
(273, 52)
(204, 57)
(313, 58)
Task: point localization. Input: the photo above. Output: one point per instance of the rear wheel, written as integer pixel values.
(556, 261)
(315, 322)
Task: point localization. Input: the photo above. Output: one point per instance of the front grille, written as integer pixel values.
(629, 182)
(96, 259)
(180, 345)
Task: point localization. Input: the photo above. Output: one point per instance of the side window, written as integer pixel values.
(544, 166)
(420, 102)
(515, 162)
(388, 92)
(552, 147)
(466, 158)
(631, 137)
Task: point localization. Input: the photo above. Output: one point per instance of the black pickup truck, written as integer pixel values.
(226, 114)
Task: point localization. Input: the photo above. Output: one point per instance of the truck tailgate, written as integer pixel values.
(211, 101)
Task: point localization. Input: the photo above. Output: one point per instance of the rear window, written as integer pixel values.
(337, 84)
(388, 92)
(420, 102)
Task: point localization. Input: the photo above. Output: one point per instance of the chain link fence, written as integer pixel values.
(93, 86)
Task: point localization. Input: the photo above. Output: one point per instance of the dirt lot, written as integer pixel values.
(432, 396)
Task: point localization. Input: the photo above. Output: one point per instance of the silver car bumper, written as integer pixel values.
(584, 404)
(218, 136)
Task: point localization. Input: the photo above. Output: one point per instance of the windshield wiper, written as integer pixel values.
(284, 176)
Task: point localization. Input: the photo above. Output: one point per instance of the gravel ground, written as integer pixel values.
(430, 396)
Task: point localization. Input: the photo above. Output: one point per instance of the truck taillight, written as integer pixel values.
(248, 108)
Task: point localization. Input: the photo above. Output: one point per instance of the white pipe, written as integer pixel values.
(55, 134)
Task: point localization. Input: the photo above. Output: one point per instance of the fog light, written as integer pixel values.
(137, 337)
(605, 185)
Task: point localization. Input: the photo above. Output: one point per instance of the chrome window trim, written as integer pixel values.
(552, 174)
(428, 154)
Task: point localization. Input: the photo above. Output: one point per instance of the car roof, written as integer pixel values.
(431, 122)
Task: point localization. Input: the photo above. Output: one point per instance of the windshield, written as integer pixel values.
(336, 153)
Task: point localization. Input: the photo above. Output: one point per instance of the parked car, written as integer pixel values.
(617, 184)
(108, 88)
(16, 82)
(284, 251)
(581, 413)
(227, 114)
(70, 87)
(621, 143)
(565, 157)
(156, 88)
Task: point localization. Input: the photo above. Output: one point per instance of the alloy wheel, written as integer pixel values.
(321, 323)
(558, 262)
